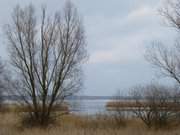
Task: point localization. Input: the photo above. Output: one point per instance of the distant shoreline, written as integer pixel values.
(15, 97)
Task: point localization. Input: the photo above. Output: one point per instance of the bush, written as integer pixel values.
(157, 106)
(119, 118)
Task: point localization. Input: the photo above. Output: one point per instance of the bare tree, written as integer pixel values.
(47, 56)
(167, 59)
(171, 12)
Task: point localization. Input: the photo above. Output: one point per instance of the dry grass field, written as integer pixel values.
(75, 125)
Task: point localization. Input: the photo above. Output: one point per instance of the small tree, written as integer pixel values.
(47, 56)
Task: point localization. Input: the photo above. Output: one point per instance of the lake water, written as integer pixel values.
(88, 107)
(93, 107)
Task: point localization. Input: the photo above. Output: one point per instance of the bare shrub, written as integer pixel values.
(118, 113)
(104, 121)
(119, 117)
(156, 105)
(4, 84)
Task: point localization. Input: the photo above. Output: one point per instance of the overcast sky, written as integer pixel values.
(117, 31)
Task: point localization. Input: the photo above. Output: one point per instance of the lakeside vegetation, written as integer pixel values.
(47, 53)
(79, 125)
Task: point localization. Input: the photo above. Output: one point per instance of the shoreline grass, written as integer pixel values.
(79, 125)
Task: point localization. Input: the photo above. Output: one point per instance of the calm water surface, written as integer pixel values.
(88, 107)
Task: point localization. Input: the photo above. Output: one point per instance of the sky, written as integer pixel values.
(117, 33)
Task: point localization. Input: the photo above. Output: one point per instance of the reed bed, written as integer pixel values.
(79, 125)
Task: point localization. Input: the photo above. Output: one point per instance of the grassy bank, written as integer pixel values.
(77, 125)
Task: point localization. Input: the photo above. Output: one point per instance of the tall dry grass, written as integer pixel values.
(79, 125)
